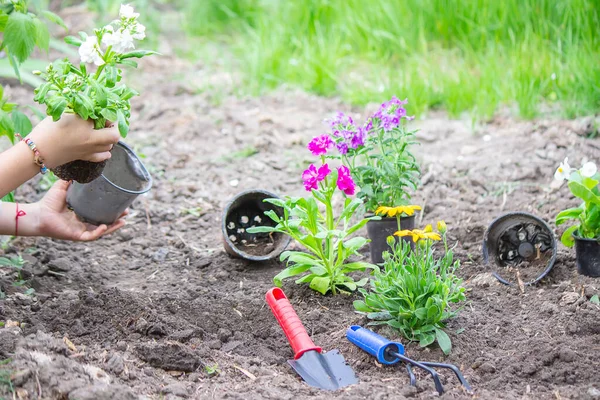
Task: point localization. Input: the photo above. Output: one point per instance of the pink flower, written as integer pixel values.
(319, 145)
(312, 176)
(345, 182)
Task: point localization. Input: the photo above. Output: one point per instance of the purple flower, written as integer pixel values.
(342, 147)
(345, 182)
(319, 145)
(311, 177)
(391, 113)
(359, 138)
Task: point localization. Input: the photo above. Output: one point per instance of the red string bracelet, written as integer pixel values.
(20, 213)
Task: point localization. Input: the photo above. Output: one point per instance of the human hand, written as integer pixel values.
(72, 138)
(55, 220)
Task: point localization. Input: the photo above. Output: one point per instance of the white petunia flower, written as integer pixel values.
(111, 39)
(139, 31)
(109, 28)
(89, 51)
(563, 171)
(126, 11)
(588, 170)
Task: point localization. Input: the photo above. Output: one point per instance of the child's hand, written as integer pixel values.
(71, 138)
(57, 221)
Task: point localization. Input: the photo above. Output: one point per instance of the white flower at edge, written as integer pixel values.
(563, 171)
(120, 41)
(89, 51)
(139, 31)
(588, 170)
(126, 11)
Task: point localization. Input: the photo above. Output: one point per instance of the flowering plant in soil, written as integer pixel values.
(583, 184)
(95, 95)
(325, 236)
(377, 154)
(413, 291)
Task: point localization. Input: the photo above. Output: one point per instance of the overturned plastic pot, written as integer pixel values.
(247, 210)
(519, 248)
(104, 199)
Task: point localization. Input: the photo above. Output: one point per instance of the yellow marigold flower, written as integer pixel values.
(431, 236)
(441, 225)
(418, 234)
(393, 211)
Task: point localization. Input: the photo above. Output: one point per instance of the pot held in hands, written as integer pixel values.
(104, 199)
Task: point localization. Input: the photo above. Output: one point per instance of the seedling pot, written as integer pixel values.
(587, 256)
(519, 248)
(379, 230)
(104, 199)
(247, 210)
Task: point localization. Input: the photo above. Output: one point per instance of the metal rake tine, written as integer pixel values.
(436, 378)
(411, 375)
(454, 369)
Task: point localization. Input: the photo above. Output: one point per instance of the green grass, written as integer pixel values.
(459, 55)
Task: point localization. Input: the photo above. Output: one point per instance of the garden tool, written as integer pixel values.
(321, 370)
(388, 353)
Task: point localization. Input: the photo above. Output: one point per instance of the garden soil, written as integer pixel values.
(160, 311)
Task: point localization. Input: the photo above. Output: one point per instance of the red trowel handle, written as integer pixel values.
(290, 323)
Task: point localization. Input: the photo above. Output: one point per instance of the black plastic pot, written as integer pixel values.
(519, 244)
(246, 210)
(104, 199)
(587, 256)
(379, 230)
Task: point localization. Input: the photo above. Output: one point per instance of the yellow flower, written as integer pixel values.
(428, 228)
(418, 234)
(441, 225)
(393, 211)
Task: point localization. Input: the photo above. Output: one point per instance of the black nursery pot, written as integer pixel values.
(379, 230)
(587, 256)
(247, 210)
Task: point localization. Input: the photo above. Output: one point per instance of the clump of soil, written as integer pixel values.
(79, 171)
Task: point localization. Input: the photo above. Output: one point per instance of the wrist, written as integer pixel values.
(46, 147)
(28, 221)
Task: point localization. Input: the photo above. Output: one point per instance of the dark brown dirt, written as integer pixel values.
(153, 310)
(79, 171)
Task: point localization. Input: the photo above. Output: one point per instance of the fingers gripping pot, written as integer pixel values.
(246, 210)
(519, 247)
(104, 199)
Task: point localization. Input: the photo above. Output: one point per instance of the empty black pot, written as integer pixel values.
(519, 244)
(379, 230)
(587, 256)
(247, 210)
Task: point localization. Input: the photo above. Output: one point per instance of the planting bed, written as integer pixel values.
(152, 310)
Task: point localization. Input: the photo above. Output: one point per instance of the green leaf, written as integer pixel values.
(583, 193)
(137, 54)
(571, 213)
(380, 316)
(427, 339)
(567, 236)
(318, 270)
(362, 282)
(421, 313)
(109, 114)
(262, 229)
(289, 272)
(358, 266)
(123, 126)
(595, 299)
(360, 305)
(9, 198)
(73, 40)
(21, 123)
(350, 285)
(3, 21)
(20, 35)
(42, 38)
(443, 341)
(129, 63)
(320, 284)
(50, 16)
